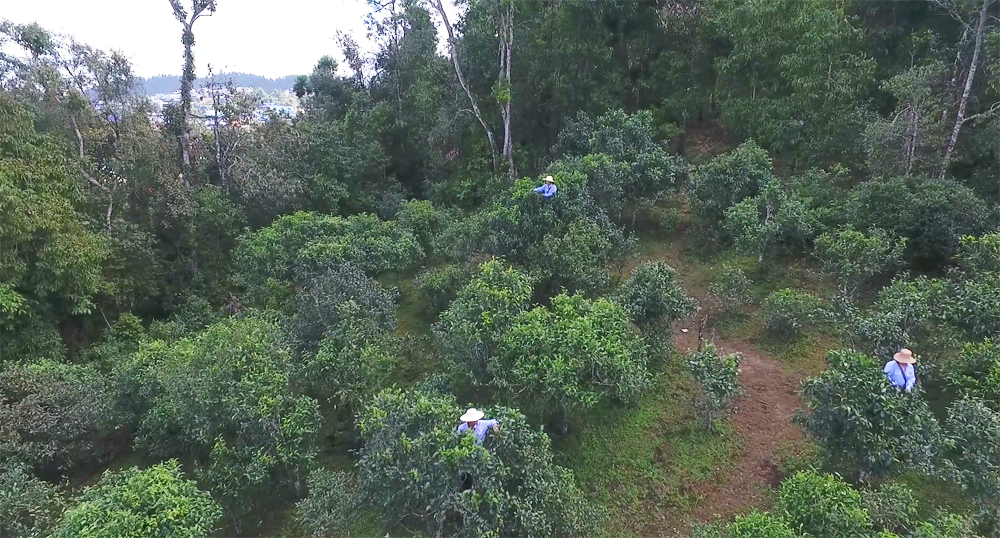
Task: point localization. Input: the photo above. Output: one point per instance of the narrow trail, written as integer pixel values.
(761, 420)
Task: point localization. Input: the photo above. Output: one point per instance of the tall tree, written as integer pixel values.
(453, 51)
(972, 23)
(503, 89)
(199, 8)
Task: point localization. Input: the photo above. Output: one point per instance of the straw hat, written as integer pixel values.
(905, 356)
(472, 415)
(548, 179)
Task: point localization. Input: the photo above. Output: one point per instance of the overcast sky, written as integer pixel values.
(269, 38)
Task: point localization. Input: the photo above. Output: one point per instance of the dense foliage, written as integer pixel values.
(292, 306)
(412, 463)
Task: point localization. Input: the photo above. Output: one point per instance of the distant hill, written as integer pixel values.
(172, 83)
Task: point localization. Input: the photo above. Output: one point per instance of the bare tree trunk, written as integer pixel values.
(963, 101)
(506, 34)
(911, 156)
(198, 8)
(90, 179)
(187, 83)
(453, 50)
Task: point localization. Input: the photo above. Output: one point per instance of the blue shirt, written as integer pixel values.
(548, 190)
(482, 427)
(902, 377)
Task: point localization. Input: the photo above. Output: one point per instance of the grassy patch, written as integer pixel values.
(641, 461)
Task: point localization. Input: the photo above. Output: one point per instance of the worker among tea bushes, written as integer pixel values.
(473, 420)
(900, 370)
(548, 190)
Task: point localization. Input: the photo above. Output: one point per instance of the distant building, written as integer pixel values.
(265, 109)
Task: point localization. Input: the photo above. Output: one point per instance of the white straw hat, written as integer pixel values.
(904, 356)
(472, 415)
(549, 179)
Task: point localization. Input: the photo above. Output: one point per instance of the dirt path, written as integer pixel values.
(761, 420)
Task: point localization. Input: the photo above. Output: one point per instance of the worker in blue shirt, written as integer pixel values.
(900, 370)
(473, 421)
(548, 190)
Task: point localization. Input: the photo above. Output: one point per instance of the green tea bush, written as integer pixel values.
(976, 372)
(223, 399)
(727, 180)
(978, 255)
(578, 259)
(731, 287)
(439, 286)
(718, 377)
(424, 220)
(932, 214)
(907, 313)
(824, 506)
(770, 222)
(56, 416)
(29, 507)
(354, 359)
(892, 506)
(139, 503)
(318, 304)
(653, 297)
(412, 464)
(974, 431)
(865, 422)
(572, 355)
(760, 525)
(854, 257)
(471, 329)
(329, 508)
(788, 311)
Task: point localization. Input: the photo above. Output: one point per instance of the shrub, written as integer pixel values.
(974, 430)
(719, 380)
(974, 307)
(893, 506)
(412, 462)
(824, 506)
(787, 311)
(423, 220)
(470, 329)
(853, 257)
(329, 509)
(319, 302)
(666, 219)
(760, 224)
(304, 244)
(29, 507)
(978, 255)
(354, 359)
(578, 259)
(653, 297)
(906, 313)
(139, 503)
(760, 525)
(439, 286)
(727, 180)
(731, 287)
(933, 214)
(222, 398)
(864, 421)
(55, 416)
(572, 355)
(976, 372)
